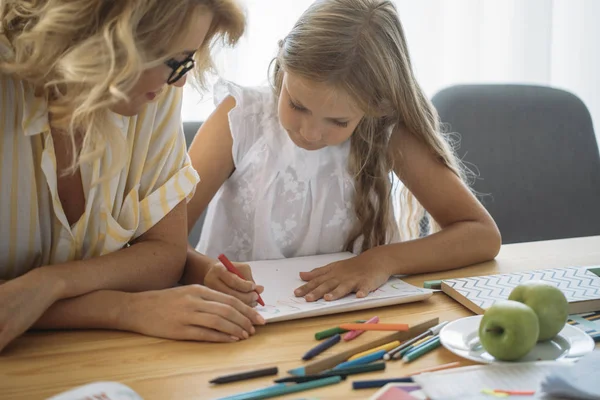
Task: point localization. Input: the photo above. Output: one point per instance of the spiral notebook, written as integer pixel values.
(281, 277)
(581, 286)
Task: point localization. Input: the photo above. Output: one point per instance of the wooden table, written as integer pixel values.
(42, 364)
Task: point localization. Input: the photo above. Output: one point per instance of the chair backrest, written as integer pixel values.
(189, 130)
(536, 155)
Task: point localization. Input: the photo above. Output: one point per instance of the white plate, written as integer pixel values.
(462, 338)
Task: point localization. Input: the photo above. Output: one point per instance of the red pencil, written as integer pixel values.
(231, 268)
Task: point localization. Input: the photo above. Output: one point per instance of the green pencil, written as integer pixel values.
(334, 331)
(282, 389)
(418, 352)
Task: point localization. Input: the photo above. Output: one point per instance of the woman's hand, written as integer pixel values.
(219, 278)
(192, 312)
(360, 274)
(23, 300)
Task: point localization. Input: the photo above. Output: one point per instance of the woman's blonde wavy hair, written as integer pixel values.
(85, 55)
(359, 46)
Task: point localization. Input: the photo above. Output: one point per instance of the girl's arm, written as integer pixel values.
(469, 235)
(211, 156)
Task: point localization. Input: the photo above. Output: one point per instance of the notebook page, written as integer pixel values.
(468, 382)
(281, 277)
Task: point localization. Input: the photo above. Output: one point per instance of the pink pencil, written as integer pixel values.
(356, 333)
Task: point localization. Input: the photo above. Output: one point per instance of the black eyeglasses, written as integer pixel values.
(180, 68)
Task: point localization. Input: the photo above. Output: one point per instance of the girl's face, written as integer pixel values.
(315, 114)
(154, 80)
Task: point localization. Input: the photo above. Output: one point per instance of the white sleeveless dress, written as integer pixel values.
(282, 201)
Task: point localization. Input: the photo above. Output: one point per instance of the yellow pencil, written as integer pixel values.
(418, 342)
(386, 347)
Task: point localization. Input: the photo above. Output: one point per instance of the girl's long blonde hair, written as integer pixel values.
(85, 55)
(359, 46)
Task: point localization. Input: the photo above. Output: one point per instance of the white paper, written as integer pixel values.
(281, 277)
(99, 391)
(468, 382)
(577, 382)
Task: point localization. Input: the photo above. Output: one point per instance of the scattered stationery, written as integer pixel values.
(581, 286)
(334, 331)
(329, 362)
(282, 389)
(369, 358)
(375, 327)
(281, 277)
(422, 349)
(321, 347)
(587, 322)
(99, 390)
(231, 268)
(246, 375)
(430, 332)
(358, 369)
(386, 347)
(381, 382)
(356, 333)
(579, 381)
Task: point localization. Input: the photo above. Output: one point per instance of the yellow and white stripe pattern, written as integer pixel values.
(34, 230)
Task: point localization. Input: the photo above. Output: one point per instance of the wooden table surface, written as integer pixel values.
(39, 365)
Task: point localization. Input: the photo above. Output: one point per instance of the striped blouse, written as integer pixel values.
(34, 230)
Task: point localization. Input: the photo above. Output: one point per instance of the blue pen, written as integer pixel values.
(377, 383)
(282, 389)
(378, 355)
(315, 351)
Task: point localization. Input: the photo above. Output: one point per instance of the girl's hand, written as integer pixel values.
(23, 300)
(220, 279)
(192, 312)
(331, 282)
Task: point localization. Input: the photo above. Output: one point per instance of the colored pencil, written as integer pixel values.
(386, 347)
(378, 355)
(231, 268)
(246, 375)
(376, 327)
(282, 389)
(329, 362)
(358, 369)
(369, 384)
(356, 333)
(416, 346)
(377, 383)
(333, 331)
(422, 350)
(321, 347)
(430, 332)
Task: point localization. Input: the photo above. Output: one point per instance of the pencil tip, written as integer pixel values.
(300, 371)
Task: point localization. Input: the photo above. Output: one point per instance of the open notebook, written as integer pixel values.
(281, 277)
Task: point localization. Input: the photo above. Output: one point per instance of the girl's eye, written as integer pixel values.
(341, 124)
(296, 107)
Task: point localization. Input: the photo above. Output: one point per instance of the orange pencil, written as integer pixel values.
(375, 327)
(231, 268)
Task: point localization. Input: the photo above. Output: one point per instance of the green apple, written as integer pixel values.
(508, 330)
(548, 302)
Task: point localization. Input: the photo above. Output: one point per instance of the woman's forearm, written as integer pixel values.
(103, 309)
(458, 245)
(196, 267)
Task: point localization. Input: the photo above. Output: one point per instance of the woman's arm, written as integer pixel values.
(469, 234)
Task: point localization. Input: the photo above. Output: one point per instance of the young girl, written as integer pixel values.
(305, 170)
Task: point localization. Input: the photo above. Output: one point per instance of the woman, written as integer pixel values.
(93, 168)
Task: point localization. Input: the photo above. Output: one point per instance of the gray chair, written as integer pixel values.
(535, 154)
(190, 129)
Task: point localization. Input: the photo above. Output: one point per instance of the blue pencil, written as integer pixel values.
(378, 355)
(377, 383)
(321, 347)
(595, 336)
(282, 389)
